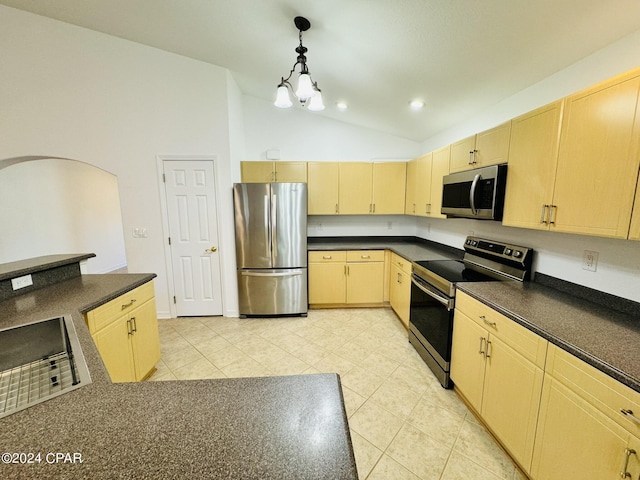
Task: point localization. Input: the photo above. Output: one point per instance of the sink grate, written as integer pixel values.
(30, 383)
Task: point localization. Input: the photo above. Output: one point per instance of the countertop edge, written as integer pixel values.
(33, 266)
(147, 277)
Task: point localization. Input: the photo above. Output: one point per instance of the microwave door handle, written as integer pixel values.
(472, 194)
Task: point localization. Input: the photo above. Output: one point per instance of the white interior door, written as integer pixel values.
(193, 230)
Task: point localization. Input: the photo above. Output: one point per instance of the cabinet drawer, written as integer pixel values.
(401, 262)
(328, 256)
(110, 311)
(603, 392)
(365, 256)
(528, 344)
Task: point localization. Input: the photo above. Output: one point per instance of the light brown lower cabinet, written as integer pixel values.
(125, 331)
(352, 277)
(557, 416)
(582, 430)
(400, 287)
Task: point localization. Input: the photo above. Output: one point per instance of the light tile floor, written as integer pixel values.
(404, 425)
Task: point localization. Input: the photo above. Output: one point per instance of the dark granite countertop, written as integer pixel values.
(412, 249)
(38, 264)
(602, 337)
(248, 428)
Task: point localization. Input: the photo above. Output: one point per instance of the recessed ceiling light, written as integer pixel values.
(416, 104)
(342, 106)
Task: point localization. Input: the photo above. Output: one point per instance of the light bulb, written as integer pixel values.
(282, 97)
(305, 89)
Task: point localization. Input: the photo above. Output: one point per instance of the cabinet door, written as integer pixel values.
(511, 399)
(327, 283)
(355, 188)
(115, 349)
(598, 159)
(410, 193)
(290, 171)
(532, 167)
(492, 146)
(574, 440)
(145, 339)
(467, 359)
(461, 154)
(322, 187)
(439, 168)
(365, 282)
(256, 172)
(389, 181)
(423, 185)
(400, 293)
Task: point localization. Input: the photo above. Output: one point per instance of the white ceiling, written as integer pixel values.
(459, 56)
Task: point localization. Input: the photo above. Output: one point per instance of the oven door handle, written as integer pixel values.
(446, 301)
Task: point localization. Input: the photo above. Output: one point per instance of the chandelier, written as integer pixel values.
(307, 92)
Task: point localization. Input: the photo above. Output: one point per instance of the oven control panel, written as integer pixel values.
(498, 250)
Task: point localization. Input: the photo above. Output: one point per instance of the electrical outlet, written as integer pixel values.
(21, 282)
(590, 260)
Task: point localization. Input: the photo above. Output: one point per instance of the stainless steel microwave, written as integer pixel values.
(475, 193)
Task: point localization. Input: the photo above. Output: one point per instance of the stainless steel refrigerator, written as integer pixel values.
(271, 248)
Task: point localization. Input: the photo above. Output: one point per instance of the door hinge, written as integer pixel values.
(174, 299)
(164, 178)
(169, 240)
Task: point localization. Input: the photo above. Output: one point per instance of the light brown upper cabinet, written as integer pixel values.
(598, 159)
(490, 147)
(424, 183)
(372, 188)
(265, 172)
(322, 188)
(532, 167)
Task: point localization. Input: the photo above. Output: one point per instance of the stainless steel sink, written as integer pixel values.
(39, 361)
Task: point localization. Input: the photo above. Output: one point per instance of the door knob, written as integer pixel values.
(211, 250)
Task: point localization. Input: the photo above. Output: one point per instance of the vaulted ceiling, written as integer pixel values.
(459, 56)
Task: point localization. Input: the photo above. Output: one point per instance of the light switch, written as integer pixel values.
(140, 232)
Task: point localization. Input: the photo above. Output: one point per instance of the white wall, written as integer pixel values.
(75, 93)
(301, 135)
(54, 205)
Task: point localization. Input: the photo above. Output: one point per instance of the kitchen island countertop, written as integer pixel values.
(246, 428)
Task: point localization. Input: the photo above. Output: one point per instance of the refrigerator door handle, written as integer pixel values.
(253, 273)
(267, 233)
(274, 229)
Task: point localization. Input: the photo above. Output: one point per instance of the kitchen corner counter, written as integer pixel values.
(247, 428)
(600, 336)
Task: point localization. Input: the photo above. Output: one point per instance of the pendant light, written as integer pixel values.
(307, 91)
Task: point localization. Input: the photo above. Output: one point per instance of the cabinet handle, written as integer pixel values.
(134, 326)
(127, 305)
(472, 156)
(481, 350)
(337, 211)
(428, 208)
(488, 354)
(399, 278)
(365, 256)
(129, 327)
(624, 473)
(326, 257)
(553, 211)
(629, 414)
(374, 208)
(491, 324)
(543, 214)
(414, 208)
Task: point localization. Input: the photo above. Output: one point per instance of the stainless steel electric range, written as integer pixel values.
(433, 287)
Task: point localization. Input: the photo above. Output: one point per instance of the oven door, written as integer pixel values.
(431, 327)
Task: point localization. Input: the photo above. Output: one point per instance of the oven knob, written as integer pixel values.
(517, 254)
(473, 243)
(508, 251)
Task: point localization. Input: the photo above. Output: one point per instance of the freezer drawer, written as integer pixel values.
(272, 292)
